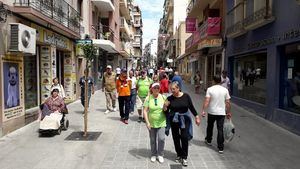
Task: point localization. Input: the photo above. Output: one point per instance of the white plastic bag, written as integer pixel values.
(228, 130)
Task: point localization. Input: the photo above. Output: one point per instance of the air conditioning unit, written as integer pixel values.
(22, 38)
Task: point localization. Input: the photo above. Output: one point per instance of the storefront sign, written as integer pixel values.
(49, 37)
(55, 39)
(208, 43)
(288, 35)
(13, 92)
(190, 25)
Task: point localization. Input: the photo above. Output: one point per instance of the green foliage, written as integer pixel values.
(89, 51)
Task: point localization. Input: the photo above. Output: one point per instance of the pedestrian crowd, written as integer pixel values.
(164, 107)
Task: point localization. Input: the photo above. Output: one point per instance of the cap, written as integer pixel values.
(108, 67)
(124, 70)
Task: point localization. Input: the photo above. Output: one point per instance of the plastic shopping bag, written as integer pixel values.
(229, 130)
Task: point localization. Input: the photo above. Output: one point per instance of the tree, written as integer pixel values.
(89, 51)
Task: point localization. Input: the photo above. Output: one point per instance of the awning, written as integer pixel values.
(106, 45)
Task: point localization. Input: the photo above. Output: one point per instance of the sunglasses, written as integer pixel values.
(155, 87)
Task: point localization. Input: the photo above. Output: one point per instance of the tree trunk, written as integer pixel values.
(86, 99)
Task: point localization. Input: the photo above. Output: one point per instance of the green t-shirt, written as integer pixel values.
(156, 116)
(143, 87)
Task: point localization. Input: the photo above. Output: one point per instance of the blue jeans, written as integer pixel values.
(132, 99)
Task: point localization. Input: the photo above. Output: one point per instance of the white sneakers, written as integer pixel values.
(159, 158)
(108, 111)
(153, 159)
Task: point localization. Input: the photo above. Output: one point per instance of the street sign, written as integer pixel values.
(84, 41)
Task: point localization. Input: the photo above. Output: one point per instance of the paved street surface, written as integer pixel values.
(258, 144)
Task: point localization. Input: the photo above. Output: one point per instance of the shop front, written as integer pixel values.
(54, 58)
(265, 76)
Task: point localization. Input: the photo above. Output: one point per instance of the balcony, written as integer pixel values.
(104, 5)
(195, 6)
(57, 14)
(137, 41)
(124, 27)
(210, 27)
(124, 9)
(235, 19)
(125, 49)
(247, 16)
(103, 37)
(208, 35)
(259, 17)
(137, 23)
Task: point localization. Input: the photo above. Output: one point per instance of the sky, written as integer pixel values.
(152, 11)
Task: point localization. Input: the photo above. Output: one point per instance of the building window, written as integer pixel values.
(30, 81)
(250, 77)
(290, 79)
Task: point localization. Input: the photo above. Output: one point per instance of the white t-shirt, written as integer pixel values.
(225, 82)
(133, 82)
(217, 94)
(118, 70)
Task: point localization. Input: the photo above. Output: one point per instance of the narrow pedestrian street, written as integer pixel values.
(258, 144)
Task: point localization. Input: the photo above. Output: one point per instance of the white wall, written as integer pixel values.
(179, 12)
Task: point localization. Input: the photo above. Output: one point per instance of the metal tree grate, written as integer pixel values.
(78, 136)
(175, 166)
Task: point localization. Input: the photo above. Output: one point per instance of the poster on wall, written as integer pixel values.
(53, 61)
(46, 73)
(68, 78)
(12, 89)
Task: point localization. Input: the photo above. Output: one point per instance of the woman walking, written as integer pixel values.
(177, 106)
(156, 122)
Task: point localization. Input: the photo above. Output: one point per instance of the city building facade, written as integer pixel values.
(40, 41)
(263, 48)
(203, 49)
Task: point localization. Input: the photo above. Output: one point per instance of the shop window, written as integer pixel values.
(290, 80)
(250, 77)
(30, 82)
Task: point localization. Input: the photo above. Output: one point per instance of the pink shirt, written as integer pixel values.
(55, 104)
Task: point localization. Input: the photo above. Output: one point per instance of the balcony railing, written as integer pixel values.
(102, 32)
(235, 19)
(246, 16)
(58, 10)
(210, 27)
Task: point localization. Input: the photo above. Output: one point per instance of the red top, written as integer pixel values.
(164, 86)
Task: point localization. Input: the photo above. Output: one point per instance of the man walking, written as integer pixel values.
(124, 88)
(225, 81)
(217, 104)
(133, 91)
(91, 89)
(109, 87)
